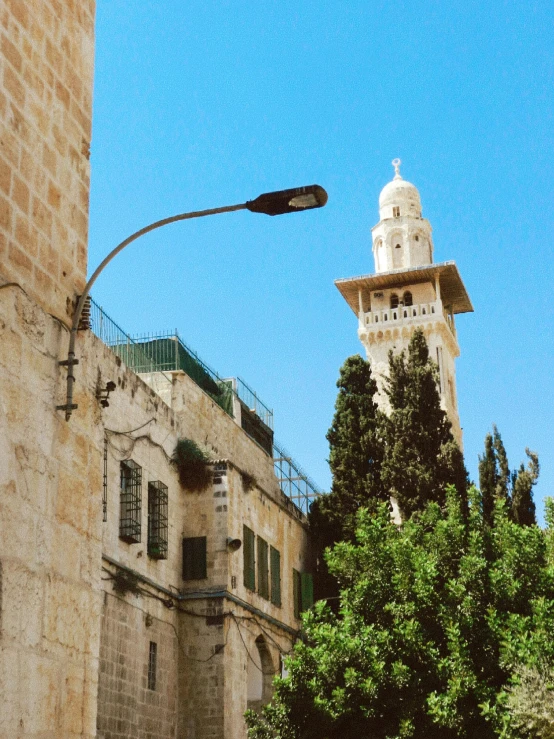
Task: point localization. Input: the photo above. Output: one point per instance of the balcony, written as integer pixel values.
(406, 315)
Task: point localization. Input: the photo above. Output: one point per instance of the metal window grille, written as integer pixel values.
(130, 501)
(195, 558)
(105, 483)
(249, 558)
(263, 569)
(157, 520)
(152, 660)
(275, 574)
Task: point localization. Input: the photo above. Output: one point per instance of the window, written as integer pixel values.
(249, 558)
(157, 520)
(394, 300)
(194, 558)
(275, 574)
(416, 238)
(263, 570)
(296, 593)
(408, 300)
(302, 592)
(130, 501)
(396, 211)
(152, 659)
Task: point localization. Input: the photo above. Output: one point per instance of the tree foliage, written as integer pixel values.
(355, 459)
(438, 618)
(421, 455)
(497, 482)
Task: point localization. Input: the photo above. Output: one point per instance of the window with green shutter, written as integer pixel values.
(307, 588)
(194, 558)
(263, 569)
(249, 558)
(296, 593)
(275, 573)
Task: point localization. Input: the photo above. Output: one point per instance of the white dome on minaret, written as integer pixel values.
(399, 194)
(402, 238)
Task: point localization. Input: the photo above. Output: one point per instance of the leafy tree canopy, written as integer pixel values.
(438, 619)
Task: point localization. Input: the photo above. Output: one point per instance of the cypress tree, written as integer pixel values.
(523, 507)
(355, 458)
(421, 455)
(488, 479)
(503, 468)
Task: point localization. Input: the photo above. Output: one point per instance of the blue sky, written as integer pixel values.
(203, 104)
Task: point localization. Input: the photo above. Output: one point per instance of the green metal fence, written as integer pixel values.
(162, 353)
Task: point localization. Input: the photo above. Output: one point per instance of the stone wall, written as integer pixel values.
(46, 70)
(50, 546)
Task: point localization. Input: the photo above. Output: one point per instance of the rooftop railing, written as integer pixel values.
(161, 353)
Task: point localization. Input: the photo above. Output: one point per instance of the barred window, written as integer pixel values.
(157, 520)
(130, 501)
(152, 660)
(263, 569)
(249, 558)
(275, 574)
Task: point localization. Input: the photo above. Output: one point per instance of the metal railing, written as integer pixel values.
(294, 482)
(144, 354)
(170, 352)
(120, 342)
(249, 398)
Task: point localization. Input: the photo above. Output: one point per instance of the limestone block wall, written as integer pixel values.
(50, 545)
(219, 631)
(46, 71)
(129, 706)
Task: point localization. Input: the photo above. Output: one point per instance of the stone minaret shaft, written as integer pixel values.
(408, 291)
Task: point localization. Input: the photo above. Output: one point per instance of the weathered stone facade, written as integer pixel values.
(99, 636)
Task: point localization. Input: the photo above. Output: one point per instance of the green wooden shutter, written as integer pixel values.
(249, 558)
(195, 558)
(296, 593)
(307, 585)
(275, 568)
(263, 569)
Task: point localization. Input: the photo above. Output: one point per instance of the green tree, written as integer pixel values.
(523, 507)
(355, 458)
(437, 619)
(497, 482)
(421, 456)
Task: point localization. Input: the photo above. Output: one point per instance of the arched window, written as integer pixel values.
(260, 673)
(408, 300)
(394, 300)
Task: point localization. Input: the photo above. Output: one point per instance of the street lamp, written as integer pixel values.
(271, 203)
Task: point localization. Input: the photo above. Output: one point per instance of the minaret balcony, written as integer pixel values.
(407, 314)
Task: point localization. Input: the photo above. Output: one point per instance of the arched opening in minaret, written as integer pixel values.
(394, 300)
(397, 258)
(407, 299)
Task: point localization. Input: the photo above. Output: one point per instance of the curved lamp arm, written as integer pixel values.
(273, 203)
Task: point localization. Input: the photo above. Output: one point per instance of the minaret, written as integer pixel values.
(408, 291)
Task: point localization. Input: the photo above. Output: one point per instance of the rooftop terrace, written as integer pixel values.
(166, 352)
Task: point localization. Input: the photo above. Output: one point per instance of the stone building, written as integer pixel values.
(408, 291)
(130, 604)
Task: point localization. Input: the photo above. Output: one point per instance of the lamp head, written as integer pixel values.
(233, 544)
(288, 201)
